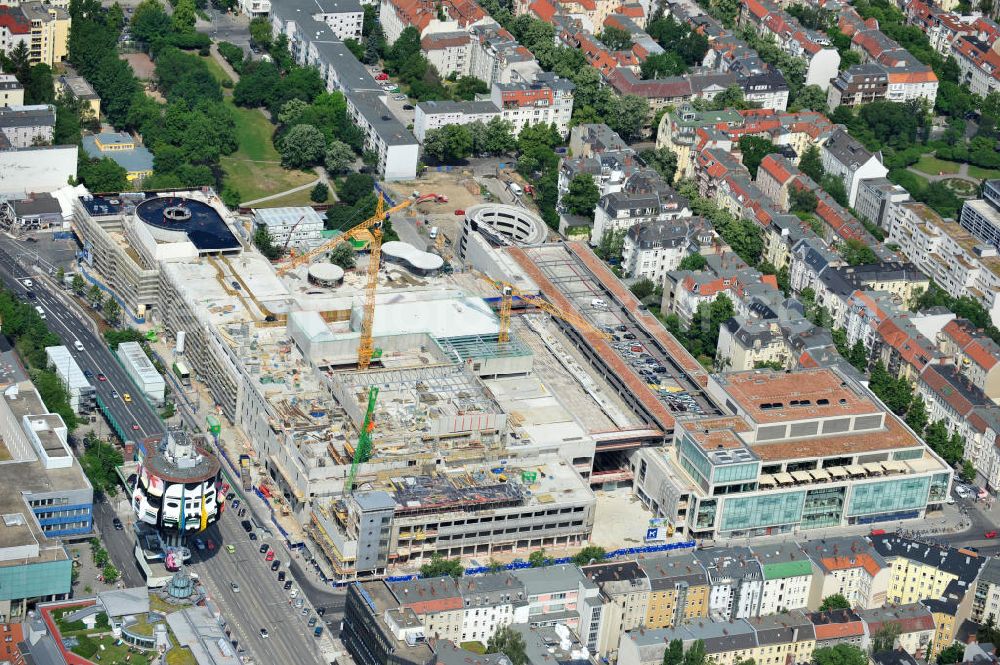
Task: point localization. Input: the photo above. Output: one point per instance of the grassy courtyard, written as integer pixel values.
(933, 166)
(983, 174)
(255, 169)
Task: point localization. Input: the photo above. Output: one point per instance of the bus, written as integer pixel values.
(182, 373)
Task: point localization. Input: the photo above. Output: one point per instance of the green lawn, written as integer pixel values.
(217, 71)
(255, 169)
(293, 199)
(181, 656)
(111, 653)
(933, 166)
(983, 174)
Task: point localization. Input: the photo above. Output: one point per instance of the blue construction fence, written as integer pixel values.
(388, 198)
(103, 287)
(520, 564)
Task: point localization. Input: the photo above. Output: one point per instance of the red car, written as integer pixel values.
(270, 556)
(101, 377)
(135, 427)
(990, 534)
(382, 77)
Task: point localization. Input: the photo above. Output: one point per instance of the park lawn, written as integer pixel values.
(293, 199)
(983, 174)
(255, 169)
(932, 165)
(218, 73)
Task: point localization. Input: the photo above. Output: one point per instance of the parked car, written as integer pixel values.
(264, 547)
(990, 534)
(281, 576)
(275, 565)
(117, 524)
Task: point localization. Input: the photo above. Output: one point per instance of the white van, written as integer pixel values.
(598, 303)
(434, 233)
(41, 312)
(516, 189)
(78, 345)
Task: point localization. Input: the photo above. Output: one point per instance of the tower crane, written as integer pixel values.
(363, 452)
(291, 232)
(370, 229)
(507, 294)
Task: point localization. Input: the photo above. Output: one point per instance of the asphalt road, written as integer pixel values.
(261, 602)
(137, 418)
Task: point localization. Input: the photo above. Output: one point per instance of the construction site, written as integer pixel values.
(487, 388)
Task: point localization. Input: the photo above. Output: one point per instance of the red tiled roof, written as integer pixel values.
(833, 631)
(14, 20)
(543, 9)
(862, 560)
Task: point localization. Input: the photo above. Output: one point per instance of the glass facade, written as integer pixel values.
(823, 507)
(705, 517)
(754, 512)
(939, 487)
(890, 495)
(916, 453)
(731, 473)
(694, 462)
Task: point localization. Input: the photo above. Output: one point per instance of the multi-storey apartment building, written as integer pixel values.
(957, 261)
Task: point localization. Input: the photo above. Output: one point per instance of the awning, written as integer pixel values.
(802, 476)
(766, 479)
(894, 466)
(837, 471)
(820, 474)
(783, 478)
(855, 470)
(873, 467)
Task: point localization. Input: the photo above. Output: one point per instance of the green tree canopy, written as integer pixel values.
(439, 566)
(834, 602)
(841, 654)
(302, 146)
(510, 643)
(582, 197)
(692, 262)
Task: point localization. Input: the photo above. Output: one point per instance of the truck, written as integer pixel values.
(245, 472)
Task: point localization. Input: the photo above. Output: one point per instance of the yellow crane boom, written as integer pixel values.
(509, 291)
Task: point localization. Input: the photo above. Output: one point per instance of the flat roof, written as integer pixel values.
(378, 115)
(140, 361)
(768, 396)
(205, 227)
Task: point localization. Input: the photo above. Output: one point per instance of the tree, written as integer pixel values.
(260, 32)
(896, 393)
(916, 415)
(498, 139)
(467, 87)
(589, 554)
(184, 16)
(537, 559)
(662, 160)
(94, 293)
(343, 255)
(78, 283)
(643, 288)
(39, 89)
(582, 197)
(885, 637)
(150, 22)
(695, 654)
(611, 245)
(953, 653)
(674, 653)
(439, 566)
(510, 643)
(834, 186)
(339, 157)
(302, 146)
(857, 253)
(858, 356)
(834, 602)
(803, 200)
(355, 187)
(263, 241)
(448, 144)
(615, 39)
(810, 97)
(110, 573)
(112, 310)
(627, 115)
(103, 175)
(99, 461)
(320, 193)
(812, 164)
(754, 149)
(968, 471)
(692, 262)
(842, 654)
